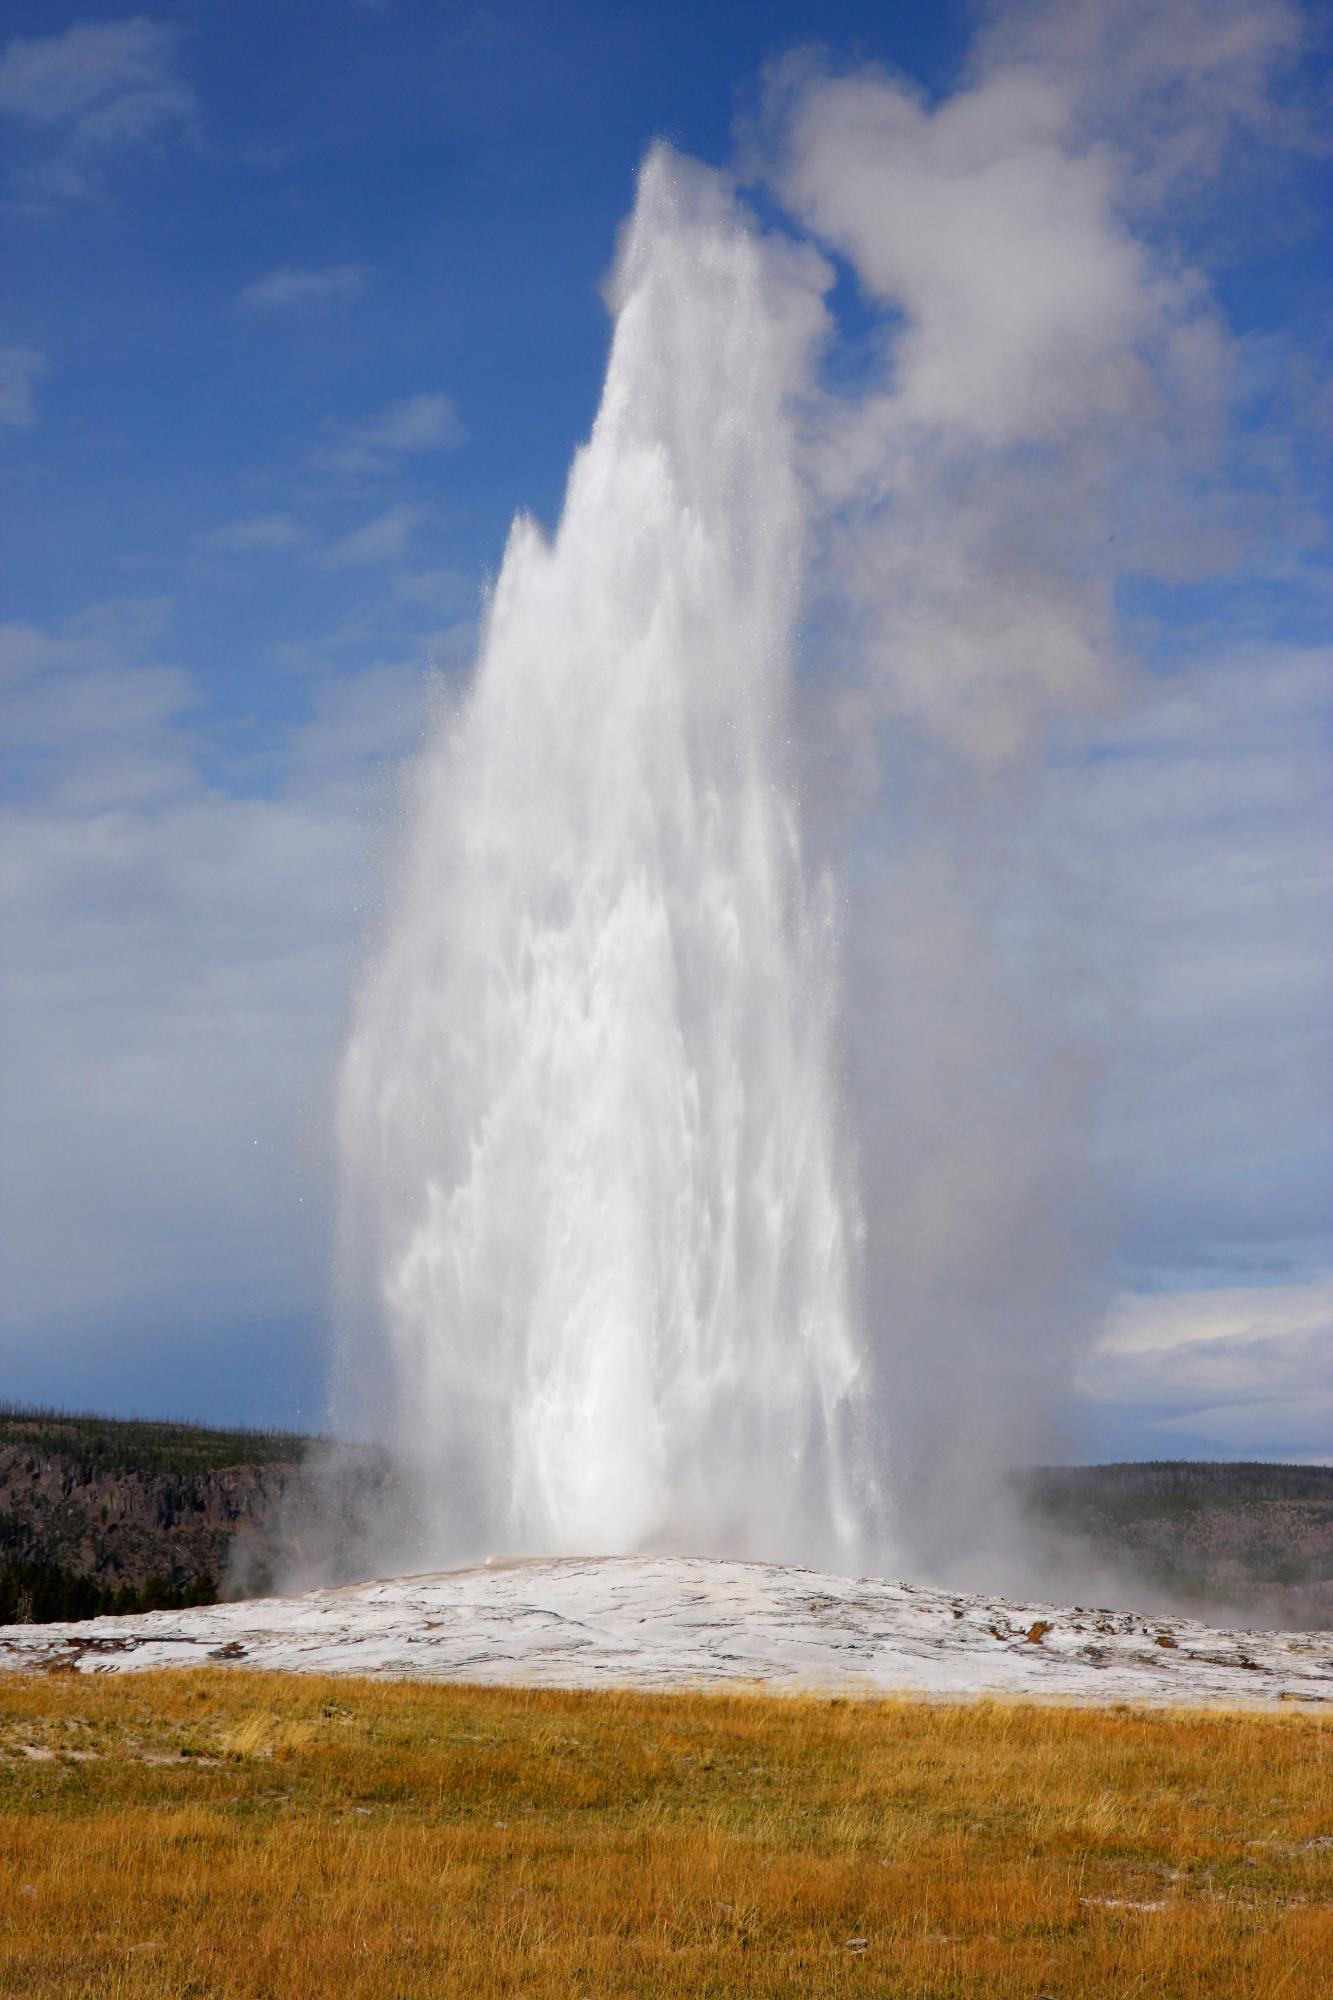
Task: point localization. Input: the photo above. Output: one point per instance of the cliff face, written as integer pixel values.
(120, 1505)
(73, 1495)
(123, 1527)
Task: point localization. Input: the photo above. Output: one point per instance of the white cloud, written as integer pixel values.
(1176, 1324)
(385, 539)
(1054, 375)
(96, 89)
(414, 424)
(1023, 294)
(60, 79)
(1038, 354)
(176, 951)
(21, 368)
(295, 287)
(1210, 805)
(82, 727)
(1245, 1370)
(1178, 85)
(257, 534)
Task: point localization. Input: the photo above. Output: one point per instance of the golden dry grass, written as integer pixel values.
(257, 1837)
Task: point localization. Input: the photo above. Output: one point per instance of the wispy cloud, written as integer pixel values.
(383, 540)
(414, 424)
(91, 717)
(20, 370)
(1211, 806)
(97, 89)
(443, 590)
(257, 534)
(1247, 1369)
(1176, 85)
(296, 287)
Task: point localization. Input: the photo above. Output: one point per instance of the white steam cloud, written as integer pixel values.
(1046, 401)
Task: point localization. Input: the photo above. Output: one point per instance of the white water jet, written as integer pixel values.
(597, 1207)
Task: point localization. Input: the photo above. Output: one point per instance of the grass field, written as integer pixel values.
(274, 1838)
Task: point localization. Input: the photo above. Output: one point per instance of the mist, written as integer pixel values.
(1042, 420)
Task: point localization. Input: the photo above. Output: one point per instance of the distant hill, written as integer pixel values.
(103, 1513)
(1253, 1541)
(107, 1513)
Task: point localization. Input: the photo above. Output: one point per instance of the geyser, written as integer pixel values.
(599, 1216)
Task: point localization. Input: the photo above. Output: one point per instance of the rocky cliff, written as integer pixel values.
(120, 1503)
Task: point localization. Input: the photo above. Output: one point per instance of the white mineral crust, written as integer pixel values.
(681, 1622)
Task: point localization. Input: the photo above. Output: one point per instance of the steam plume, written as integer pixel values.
(654, 1253)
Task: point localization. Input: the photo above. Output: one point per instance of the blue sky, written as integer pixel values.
(301, 304)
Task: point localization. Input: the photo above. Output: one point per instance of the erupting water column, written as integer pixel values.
(596, 1207)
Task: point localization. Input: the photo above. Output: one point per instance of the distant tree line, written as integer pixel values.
(96, 1444)
(42, 1593)
(1208, 1482)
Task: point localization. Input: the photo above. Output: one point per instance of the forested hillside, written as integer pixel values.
(103, 1514)
(1252, 1541)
